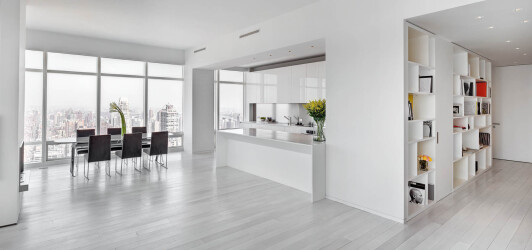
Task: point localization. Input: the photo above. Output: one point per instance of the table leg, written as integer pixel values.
(72, 156)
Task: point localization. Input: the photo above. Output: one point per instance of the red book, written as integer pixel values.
(482, 89)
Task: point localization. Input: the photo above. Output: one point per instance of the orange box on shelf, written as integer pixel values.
(482, 89)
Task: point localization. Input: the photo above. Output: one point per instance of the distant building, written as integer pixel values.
(169, 119)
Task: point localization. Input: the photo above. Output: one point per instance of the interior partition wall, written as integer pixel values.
(229, 99)
(67, 92)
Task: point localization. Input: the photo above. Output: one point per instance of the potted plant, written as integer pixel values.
(424, 162)
(114, 108)
(316, 110)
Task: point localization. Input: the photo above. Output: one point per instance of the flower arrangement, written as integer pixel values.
(114, 108)
(424, 162)
(317, 110)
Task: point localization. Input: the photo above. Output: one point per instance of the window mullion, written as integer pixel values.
(44, 146)
(98, 95)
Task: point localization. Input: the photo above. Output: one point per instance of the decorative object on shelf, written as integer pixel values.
(471, 89)
(485, 108)
(114, 108)
(427, 128)
(263, 119)
(456, 110)
(466, 88)
(410, 113)
(316, 109)
(484, 138)
(425, 84)
(416, 193)
(431, 192)
(478, 108)
(424, 162)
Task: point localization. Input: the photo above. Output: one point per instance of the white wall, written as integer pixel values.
(63, 43)
(365, 89)
(512, 103)
(12, 28)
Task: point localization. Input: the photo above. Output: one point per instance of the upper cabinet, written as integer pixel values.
(297, 91)
(315, 81)
(254, 89)
(293, 84)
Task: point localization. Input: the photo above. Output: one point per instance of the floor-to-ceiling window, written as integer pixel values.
(67, 92)
(230, 99)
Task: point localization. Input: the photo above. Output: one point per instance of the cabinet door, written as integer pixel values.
(312, 86)
(322, 76)
(271, 80)
(297, 91)
(283, 84)
(253, 87)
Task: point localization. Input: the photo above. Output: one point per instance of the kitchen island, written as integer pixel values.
(291, 159)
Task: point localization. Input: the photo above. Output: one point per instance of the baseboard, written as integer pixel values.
(402, 221)
(512, 160)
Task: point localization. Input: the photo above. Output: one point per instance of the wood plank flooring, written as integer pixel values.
(192, 205)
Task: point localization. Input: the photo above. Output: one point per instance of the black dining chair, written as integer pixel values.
(158, 147)
(114, 131)
(131, 149)
(82, 150)
(99, 150)
(139, 130)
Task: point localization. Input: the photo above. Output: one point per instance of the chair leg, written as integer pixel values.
(88, 169)
(108, 167)
(135, 165)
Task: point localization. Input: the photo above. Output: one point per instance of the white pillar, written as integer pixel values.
(12, 46)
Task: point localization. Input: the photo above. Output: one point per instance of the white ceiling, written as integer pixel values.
(462, 26)
(177, 24)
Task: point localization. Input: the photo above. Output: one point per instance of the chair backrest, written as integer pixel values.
(114, 131)
(85, 132)
(139, 130)
(132, 145)
(159, 143)
(99, 148)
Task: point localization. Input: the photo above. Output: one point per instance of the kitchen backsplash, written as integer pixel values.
(277, 111)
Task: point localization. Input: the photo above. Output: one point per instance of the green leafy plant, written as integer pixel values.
(114, 108)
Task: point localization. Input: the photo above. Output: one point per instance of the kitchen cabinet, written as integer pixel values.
(293, 84)
(298, 77)
(254, 85)
(270, 85)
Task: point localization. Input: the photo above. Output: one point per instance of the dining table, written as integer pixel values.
(83, 142)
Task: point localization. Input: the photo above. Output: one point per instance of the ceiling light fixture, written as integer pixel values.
(479, 17)
(518, 9)
(525, 21)
(491, 27)
(508, 41)
(517, 48)
(524, 54)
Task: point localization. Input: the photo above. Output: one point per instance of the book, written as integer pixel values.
(482, 89)
(416, 193)
(485, 108)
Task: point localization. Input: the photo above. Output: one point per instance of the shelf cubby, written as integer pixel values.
(457, 146)
(481, 159)
(474, 65)
(460, 172)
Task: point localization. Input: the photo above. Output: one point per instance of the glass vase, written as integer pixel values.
(319, 136)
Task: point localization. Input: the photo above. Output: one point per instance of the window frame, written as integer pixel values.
(217, 83)
(45, 160)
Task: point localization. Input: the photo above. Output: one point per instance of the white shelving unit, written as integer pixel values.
(421, 62)
(470, 158)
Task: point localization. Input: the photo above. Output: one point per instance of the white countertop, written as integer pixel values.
(272, 135)
(279, 124)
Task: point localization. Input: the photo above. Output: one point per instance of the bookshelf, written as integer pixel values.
(458, 144)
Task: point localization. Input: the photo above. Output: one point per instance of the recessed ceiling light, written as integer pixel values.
(525, 21)
(518, 9)
(508, 41)
(491, 27)
(517, 48)
(479, 17)
(524, 54)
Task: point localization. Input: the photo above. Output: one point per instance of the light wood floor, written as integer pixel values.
(194, 206)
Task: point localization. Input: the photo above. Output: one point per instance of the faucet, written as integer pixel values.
(289, 118)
